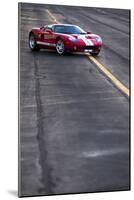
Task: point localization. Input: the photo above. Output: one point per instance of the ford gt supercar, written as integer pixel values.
(63, 38)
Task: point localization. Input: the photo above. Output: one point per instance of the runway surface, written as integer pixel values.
(74, 123)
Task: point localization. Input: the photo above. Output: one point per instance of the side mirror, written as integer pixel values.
(42, 27)
(88, 32)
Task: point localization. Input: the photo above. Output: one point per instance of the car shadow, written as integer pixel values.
(55, 54)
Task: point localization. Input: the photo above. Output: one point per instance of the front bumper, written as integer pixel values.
(92, 48)
(80, 48)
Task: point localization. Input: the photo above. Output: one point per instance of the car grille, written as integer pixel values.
(89, 47)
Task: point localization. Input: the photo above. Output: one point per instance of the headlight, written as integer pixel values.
(98, 39)
(72, 39)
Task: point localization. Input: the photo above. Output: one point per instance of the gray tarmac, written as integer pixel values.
(74, 124)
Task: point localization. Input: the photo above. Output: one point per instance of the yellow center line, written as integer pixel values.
(52, 17)
(114, 80)
(105, 71)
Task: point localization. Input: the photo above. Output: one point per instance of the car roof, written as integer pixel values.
(60, 25)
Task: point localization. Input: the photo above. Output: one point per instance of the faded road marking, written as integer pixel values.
(106, 152)
(52, 16)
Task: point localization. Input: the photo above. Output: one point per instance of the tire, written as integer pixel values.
(32, 43)
(60, 47)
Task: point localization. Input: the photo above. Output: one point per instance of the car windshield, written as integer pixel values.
(68, 29)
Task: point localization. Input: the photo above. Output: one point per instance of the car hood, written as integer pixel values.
(87, 39)
(86, 36)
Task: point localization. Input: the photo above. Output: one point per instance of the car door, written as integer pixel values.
(47, 37)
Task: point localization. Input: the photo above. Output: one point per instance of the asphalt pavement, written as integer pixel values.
(74, 123)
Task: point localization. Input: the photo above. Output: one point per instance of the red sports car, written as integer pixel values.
(63, 38)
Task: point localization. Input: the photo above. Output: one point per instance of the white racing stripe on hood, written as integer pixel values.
(85, 40)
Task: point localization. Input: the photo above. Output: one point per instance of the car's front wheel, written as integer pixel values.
(60, 47)
(32, 43)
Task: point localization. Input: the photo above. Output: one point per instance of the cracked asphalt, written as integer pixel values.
(73, 124)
